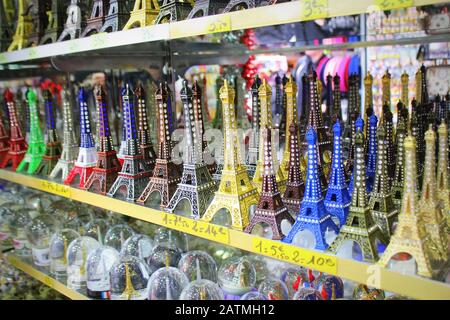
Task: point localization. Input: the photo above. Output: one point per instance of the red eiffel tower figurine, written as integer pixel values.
(17, 144)
(145, 142)
(105, 173)
(4, 139)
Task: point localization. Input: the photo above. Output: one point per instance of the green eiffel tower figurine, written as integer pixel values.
(36, 144)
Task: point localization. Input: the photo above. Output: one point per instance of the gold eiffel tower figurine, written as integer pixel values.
(24, 27)
(236, 193)
(410, 235)
(443, 189)
(265, 94)
(143, 14)
(386, 88)
(129, 292)
(434, 222)
(404, 79)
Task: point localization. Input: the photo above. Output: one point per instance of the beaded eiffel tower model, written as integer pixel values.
(328, 115)
(143, 14)
(53, 148)
(108, 166)
(135, 171)
(295, 186)
(196, 182)
(95, 21)
(271, 209)
(116, 17)
(36, 144)
(359, 125)
(173, 10)
(236, 193)
(435, 224)
(443, 189)
(87, 155)
(337, 109)
(418, 133)
(279, 103)
(17, 144)
(390, 155)
(24, 27)
(381, 204)
(290, 91)
(372, 153)
(70, 143)
(55, 22)
(166, 174)
(72, 27)
(368, 105)
(313, 214)
(4, 139)
(253, 142)
(145, 141)
(337, 198)
(353, 112)
(399, 174)
(359, 225)
(410, 235)
(265, 94)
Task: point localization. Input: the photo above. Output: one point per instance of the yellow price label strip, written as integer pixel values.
(99, 40)
(393, 4)
(48, 281)
(197, 228)
(303, 257)
(56, 188)
(219, 24)
(313, 9)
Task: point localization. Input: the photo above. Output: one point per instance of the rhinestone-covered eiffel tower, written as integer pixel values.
(236, 193)
(53, 148)
(410, 234)
(166, 174)
(24, 26)
(105, 172)
(381, 205)
(4, 139)
(95, 22)
(36, 144)
(73, 25)
(253, 142)
(359, 225)
(337, 198)
(265, 94)
(337, 109)
(70, 143)
(173, 10)
(418, 133)
(371, 153)
(386, 89)
(390, 155)
(55, 22)
(353, 111)
(278, 109)
(399, 174)
(270, 209)
(145, 141)
(290, 91)
(359, 125)
(143, 14)
(87, 155)
(313, 215)
(368, 104)
(328, 115)
(135, 172)
(196, 182)
(443, 188)
(116, 17)
(435, 223)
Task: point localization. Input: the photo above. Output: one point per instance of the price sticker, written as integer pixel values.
(32, 53)
(197, 228)
(48, 281)
(313, 9)
(306, 258)
(99, 40)
(219, 24)
(393, 4)
(56, 188)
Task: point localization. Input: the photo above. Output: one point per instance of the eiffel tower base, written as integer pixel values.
(133, 185)
(273, 221)
(63, 167)
(103, 178)
(30, 163)
(47, 165)
(83, 172)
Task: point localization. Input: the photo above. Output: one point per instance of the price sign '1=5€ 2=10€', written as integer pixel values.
(56, 188)
(303, 257)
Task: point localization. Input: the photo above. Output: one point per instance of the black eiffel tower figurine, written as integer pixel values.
(117, 16)
(145, 141)
(95, 21)
(173, 10)
(55, 22)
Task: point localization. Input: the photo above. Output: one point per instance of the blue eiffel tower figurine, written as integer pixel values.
(359, 124)
(371, 159)
(313, 214)
(337, 199)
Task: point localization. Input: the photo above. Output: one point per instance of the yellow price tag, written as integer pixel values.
(32, 53)
(313, 9)
(48, 281)
(219, 24)
(393, 4)
(304, 257)
(56, 188)
(197, 228)
(99, 40)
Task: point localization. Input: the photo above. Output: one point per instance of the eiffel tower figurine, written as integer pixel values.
(352, 114)
(381, 205)
(17, 144)
(372, 153)
(435, 224)
(73, 25)
(173, 10)
(359, 225)
(399, 175)
(6, 24)
(116, 17)
(328, 115)
(295, 186)
(236, 193)
(359, 125)
(145, 141)
(87, 155)
(70, 143)
(265, 94)
(404, 80)
(410, 234)
(290, 90)
(270, 209)
(135, 172)
(97, 18)
(53, 148)
(40, 21)
(143, 14)
(166, 174)
(4, 139)
(313, 215)
(390, 156)
(196, 182)
(55, 22)
(368, 104)
(443, 189)
(24, 27)
(253, 142)
(337, 109)
(235, 5)
(203, 8)
(337, 199)
(278, 105)
(105, 172)
(36, 144)
(386, 89)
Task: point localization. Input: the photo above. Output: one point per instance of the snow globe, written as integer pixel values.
(236, 276)
(19, 224)
(38, 201)
(363, 292)
(290, 275)
(6, 216)
(274, 289)
(58, 248)
(117, 235)
(163, 256)
(166, 283)
(139, 245)
(99, 264)
(305, 290)
(129, 278)
(171, 238)
(331, 287)
(39, 232)
(96, 229)
(253, 295)
(191, 261)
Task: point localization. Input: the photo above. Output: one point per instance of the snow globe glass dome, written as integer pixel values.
(96, 229)
(202, 289)
(194, 260)
(305, 290)
(139, 245)
(290, 276)
(62, 208)
(236, 277)
(6, 215)
(58, 248)
(99, 264)
(253, 295)
(163, 256)
(117, 235)
(38, 201)
(274, 289)
(363, 292)
(171, 238)
(166, 283)
(129, 278)
(331, 287)
(18, 226)
(77, 254)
